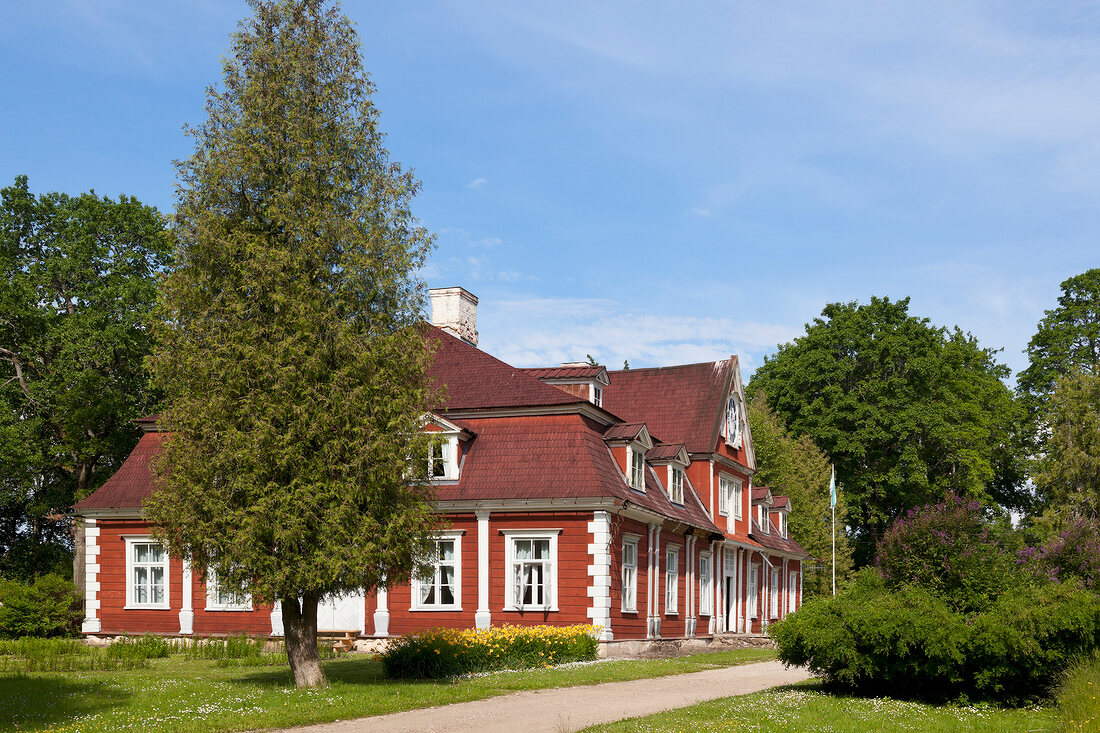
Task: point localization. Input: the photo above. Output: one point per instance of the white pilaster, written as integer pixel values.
(483, 618)
(599, 573)
(277, 619)
(689, 586)
(382, 613)
(92, 623)
(187, 592)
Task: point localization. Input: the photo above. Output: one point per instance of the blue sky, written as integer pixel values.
(652, 181)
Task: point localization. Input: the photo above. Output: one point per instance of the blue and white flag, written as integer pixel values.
(832, 488)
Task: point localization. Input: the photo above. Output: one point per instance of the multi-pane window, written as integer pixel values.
(733, 421)
(792, 591)
(597, 396)
(437, 460)
(737, 498)
(148, 574)
(440, 587)
(223, 597)
(704, 584)
(676, 485)
(672, 579)
(630, 574)
(637, 469)
(532, 573)
(729, 497)
(754, 589)
(723, 497)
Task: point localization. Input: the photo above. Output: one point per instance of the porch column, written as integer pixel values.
(689, 586)
(483, 618)
(599, 573)
(187, 615)
(382, 613)
(92, 623)
(712, 620)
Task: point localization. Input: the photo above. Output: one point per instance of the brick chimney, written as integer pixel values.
(455, 311)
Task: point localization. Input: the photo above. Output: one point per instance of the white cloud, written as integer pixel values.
(700, 211)
(477, 183)
(542, 331)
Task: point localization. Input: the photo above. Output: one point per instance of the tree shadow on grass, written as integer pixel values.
(32, 701)
(352, 670)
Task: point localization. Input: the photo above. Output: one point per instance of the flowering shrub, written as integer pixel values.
(952, 551)
(438, 653)
(1072, 555)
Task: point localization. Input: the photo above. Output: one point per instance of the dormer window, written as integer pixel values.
(781, 523)
(637, 469)
(437, 460)
(676, 485)
(735, 416)
(762, 516)
(597, 396)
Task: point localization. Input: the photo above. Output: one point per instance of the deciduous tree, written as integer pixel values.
(796, 467)
(291, 357)
(77, 287)
(906, 410)
(1067, 475)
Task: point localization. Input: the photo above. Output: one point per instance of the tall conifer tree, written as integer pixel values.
(291, 358)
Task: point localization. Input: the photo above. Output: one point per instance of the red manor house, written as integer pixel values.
(576, 495)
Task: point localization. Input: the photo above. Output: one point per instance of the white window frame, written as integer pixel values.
(723, 498)
(636, 478)
(629, 580)
(675, 488)
(213, 588)
(792, 590)
(510, 538)
(447, 445)
(738, 496)
(672, 580)
(448, 536)
(763, 520)
(729, 490)
(781, 518)
(131, 565)
(706, 584)
(597, 395)
(773, 594)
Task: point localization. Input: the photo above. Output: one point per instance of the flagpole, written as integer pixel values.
(832, 503)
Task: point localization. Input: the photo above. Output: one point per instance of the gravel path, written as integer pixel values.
(573, 708)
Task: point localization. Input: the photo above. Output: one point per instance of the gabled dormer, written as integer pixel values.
(629, 443)
(670, 461)
(447, 447)
(578, 378)
(762, 501)
(780, 510)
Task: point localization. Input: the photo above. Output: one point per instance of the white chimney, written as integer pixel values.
(455, 310)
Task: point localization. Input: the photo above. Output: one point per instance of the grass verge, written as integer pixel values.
(1078, 696)
(179, 694)
(808, 707)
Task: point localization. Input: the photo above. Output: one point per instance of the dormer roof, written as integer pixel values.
(595, 373)
(762, 495)
(668, 453)
(629, 433)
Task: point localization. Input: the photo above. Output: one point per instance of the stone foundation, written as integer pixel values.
(658, 648)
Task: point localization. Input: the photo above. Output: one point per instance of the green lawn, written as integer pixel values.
(197, 695)
(806, 707)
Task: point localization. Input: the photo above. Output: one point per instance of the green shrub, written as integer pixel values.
(50, 606)
(1078, 695)
(909, 643)
(876, 641)
(1018, 649)
(450, 652)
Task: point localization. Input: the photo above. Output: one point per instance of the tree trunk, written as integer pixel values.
(79, 557)
(300, 635)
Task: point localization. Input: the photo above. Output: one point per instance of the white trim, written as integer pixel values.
(382, 612)
(415, 605)
(92, 624)
(672, 550)
(631, 539)
(483, 618)
(706, 605)
(131, 542)
(511, 536)
(277, 618)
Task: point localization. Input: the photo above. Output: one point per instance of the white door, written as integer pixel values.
(341, 613)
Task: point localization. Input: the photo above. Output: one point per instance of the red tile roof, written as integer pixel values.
(775, 541)
(476, 380)
(581, 372)
(132, 482)
(760, 493)
(781, 502)
(678, 404)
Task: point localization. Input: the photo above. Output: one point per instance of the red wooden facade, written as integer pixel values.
(575, 495)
